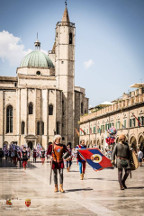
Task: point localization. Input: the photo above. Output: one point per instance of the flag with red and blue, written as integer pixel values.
(95, 158)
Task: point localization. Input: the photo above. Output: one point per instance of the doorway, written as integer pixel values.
(30, 145)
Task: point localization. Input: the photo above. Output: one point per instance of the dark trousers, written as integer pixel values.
(122, 178)
(34, 159)
(68, 163)
(56, 176)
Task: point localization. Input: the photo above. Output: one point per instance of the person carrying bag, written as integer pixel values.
(123, 156)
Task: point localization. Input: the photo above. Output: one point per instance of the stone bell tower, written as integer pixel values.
(65, 67)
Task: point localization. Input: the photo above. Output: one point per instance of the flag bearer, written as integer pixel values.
(81, 161)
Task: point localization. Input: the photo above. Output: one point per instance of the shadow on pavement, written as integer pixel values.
(97, 178)
(8, 164)
(73, 171)
(102, 179)
(79, 189)
(135, 188)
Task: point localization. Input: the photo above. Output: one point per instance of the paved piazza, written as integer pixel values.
(98, 194)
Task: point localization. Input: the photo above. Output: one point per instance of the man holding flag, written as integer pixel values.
(81, 160)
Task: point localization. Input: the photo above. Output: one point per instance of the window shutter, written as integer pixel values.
(130, 122)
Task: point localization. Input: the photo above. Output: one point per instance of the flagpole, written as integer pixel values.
(89, 133)
(128, 126)
(96, 133)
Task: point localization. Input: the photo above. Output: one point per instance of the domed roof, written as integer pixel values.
(37, 59)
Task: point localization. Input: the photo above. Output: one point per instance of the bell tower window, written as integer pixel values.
(82, 108)
(30, 108)
(70, 38)
(50, 109)
(22, 127)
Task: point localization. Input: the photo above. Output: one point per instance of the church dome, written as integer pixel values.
(36, 59)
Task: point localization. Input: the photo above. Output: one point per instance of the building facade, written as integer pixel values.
(42, 100)
(125, 114)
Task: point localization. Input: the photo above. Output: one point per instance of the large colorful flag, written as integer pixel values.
(95, 158)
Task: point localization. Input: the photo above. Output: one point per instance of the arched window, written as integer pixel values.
(50, 109)
(30, 108)
(70, 38)
(57, 127)
(9, 119)
(23, 127)
(82, 108)
(38, 128)
(42, 128)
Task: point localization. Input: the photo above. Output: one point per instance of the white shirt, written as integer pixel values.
(140, 154)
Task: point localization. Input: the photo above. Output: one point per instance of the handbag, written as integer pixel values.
(66, 156)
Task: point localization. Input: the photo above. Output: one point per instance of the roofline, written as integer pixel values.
(36, 67)
(112, 113)
(7, 78)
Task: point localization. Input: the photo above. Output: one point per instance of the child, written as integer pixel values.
(24, 157)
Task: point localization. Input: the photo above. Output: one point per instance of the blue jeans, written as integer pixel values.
(82, 166)
(68, 163)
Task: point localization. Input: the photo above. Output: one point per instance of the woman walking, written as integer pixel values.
(122, 152)
(42, 156)
(69, 162)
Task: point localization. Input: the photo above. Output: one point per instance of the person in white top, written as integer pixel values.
(140, 157)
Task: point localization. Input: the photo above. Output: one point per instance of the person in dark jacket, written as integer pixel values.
(1, 154)
(122, 153)
(69, 162)
(42, 156)
(24, 157)
(34, 155)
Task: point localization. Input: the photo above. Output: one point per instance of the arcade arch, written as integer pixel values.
(133, 143)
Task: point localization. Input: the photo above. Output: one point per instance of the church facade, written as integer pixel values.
(42, 100)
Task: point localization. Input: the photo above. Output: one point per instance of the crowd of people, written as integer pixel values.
(61, 156)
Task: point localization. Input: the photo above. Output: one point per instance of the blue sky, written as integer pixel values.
(109, 40)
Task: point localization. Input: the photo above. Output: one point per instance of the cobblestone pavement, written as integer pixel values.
(98, 194)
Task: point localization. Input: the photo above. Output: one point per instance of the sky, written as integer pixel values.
(109, 40)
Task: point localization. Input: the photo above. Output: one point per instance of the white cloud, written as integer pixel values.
(11, 48)
(88, 63)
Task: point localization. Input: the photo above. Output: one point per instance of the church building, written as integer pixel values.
(42, 100)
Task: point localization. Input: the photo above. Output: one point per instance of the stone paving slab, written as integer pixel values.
(98, 194)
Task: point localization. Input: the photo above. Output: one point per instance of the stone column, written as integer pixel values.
(3, 114)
